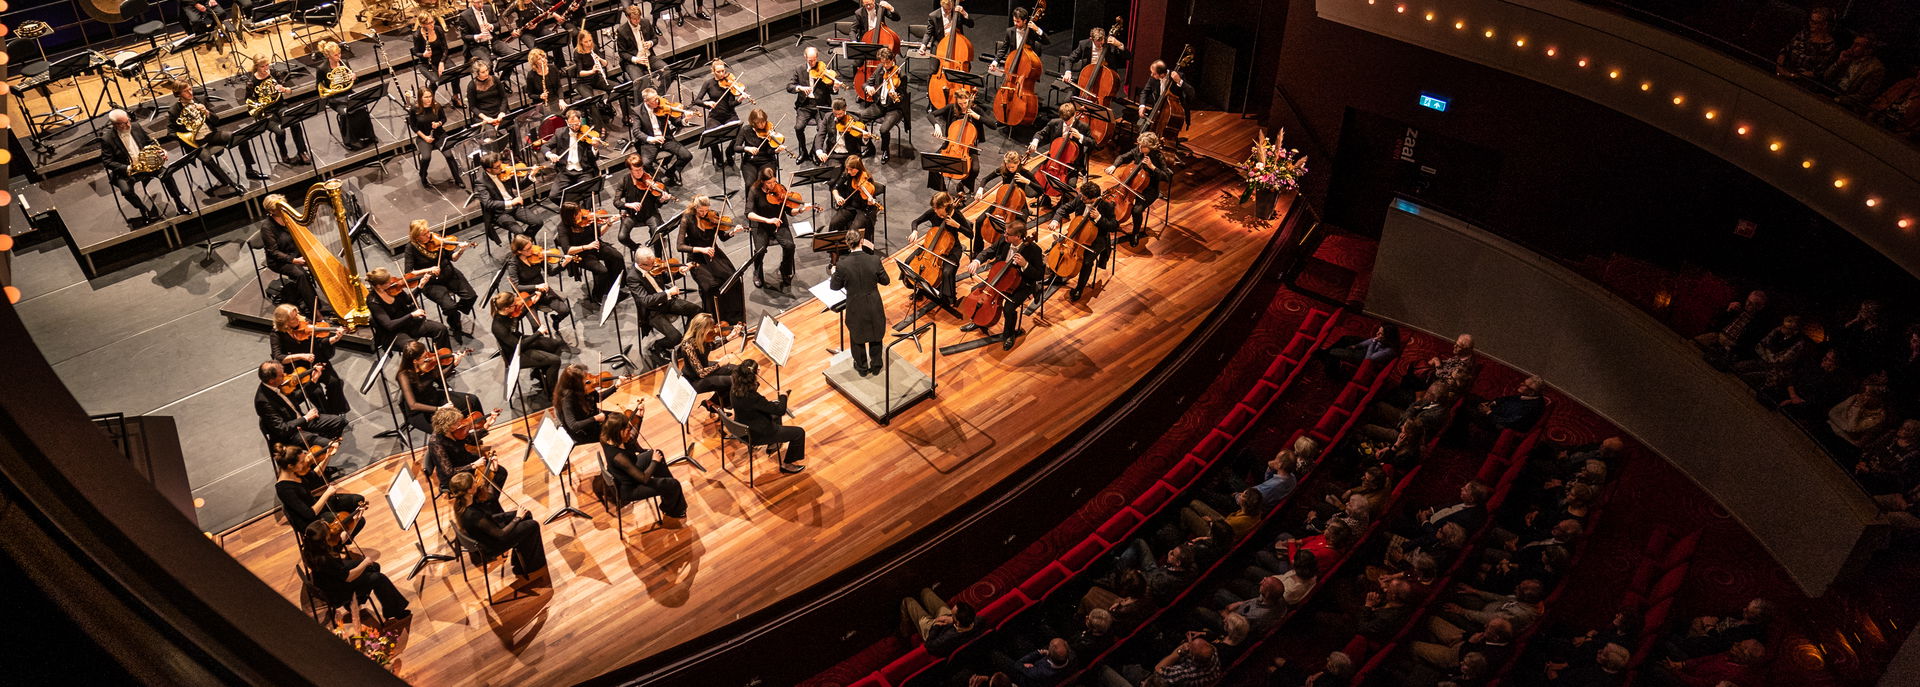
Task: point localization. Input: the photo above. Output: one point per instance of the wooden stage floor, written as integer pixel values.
(615, 602)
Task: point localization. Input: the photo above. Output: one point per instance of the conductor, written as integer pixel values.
(860, 275)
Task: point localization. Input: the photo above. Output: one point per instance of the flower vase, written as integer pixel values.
(1266, 202)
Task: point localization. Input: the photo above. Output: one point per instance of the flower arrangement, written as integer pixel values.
(375, 643)
(1272, 166)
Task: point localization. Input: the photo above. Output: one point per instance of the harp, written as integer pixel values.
(338, 275)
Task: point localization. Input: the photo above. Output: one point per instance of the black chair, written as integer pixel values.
(732, 430)
(472, 548)
(608, 492)
(316, 599)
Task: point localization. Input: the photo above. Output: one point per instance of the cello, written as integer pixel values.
(941, 240)
(1015, 103)
(981, 307)
(1135, 179)
(1062, 155)
(962, 136)
(1009, 204)
(1072, 244)
(1097, 83)
(955, 51)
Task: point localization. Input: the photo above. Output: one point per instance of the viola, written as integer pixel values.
(596, 383)
(822, 74)
(440, 359)
(849, 124)
(1015, 103)
(669, 109)
(864, 186)
(411, 281)
(303, 330)
(1072, 244)
(955, 51)
(435, 243)
(661, 266)
(982, 306)
(517, 170)
(652, 186)
(299, 376)
(1062, 155)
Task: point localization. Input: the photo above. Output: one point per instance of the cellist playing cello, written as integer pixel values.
(944, 215)
(960, 107)
(1024, 255)
(1067, 126)
(1153, 163)
(1087, 201)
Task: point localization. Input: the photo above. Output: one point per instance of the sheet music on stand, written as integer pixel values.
(801, 227)
(677, 395)
(606, 309)
(829, 296)
(553, 444)
(774, 339)
(513, 372)
(405, 497)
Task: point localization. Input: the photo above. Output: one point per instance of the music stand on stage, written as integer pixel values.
(586, 187)
(925, 292)
(719, 135)
(812, 176)
(406, 497)
(604, 19)
(960, 77)
(676, 394)
(612, 299)
(835, 301)
(776, 340)
(861, 52)
(556, 450)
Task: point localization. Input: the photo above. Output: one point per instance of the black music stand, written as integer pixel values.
(298, 113)
(956, 76)
(586, 187)
(812, 177)
(715, 137)
(862, 52)
(602, 20)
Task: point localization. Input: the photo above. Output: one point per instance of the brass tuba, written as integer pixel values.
(338, 80)
(338, 275)
(150, 159)
(265, 94)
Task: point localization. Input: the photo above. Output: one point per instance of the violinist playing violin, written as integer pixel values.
(890, 105)
(423, 385)
(641, 196)
(759, 145)
(457, 448)
(297, 343)
(849, 137)
(1067, 125)
(579, 235)
(433, 255)
(396, 314)
(945, 212)
(528, 275)
(539, 351)
(1017, 246)
(306, 496)
(572, 152)
(501, 203)
(721, 97)
(1088, 200)
(702, 228)
(653, 134)
(770, 207)
(576, 403)
(704, 370)
(855, 200)
(813, 88)
(1153, 161)
(342, 576)
(659, 301)
(286, 416)
(639, 472)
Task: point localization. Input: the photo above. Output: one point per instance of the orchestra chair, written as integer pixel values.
(486, 565)
(917, 33)
(608, 492)
(316, 599)
(731, 430)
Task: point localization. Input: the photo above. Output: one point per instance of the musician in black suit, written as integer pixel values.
(886, 86)
(1024, 255)
(277, 125)
(284, 256)
(812, 100)
(1101, 48)
(653, 134)
(950, 17)
(873, 14)
(208, 137)
(635, 40)
(762, 417)
(1154, 163)
(860, 275)
(1075, 204)
(573, 158)
(502, 204)
(1068, 124)
(659, 302)
(1160, 81)
(288, 419)
(1022, 32)
(479, 26)
(641, 197)
(118, 145)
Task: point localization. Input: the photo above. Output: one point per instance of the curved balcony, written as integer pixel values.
(1862, 177)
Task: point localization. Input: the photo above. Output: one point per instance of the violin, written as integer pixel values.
(521, 301)
(411, 281)
(819, 72)
(710, 219)
(788, 200)
(518, 170)
(733, 86)
(435, 243)
(300, 376)
(863, 185)
(303, 330)
(652, 186)
(777, 139)
(596, 383)
(669, 109)
(552, 256)
(440, 359)
(849, 124)
(661, 266)
(465, 426)
(588, 135)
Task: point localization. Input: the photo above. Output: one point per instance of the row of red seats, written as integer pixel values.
(1121, 526)
(1657, 579)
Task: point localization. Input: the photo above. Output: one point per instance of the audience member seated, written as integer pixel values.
(1267, 607)
(1889, 464)
(1811, 50)
(1383, 346)
(1898, 107)
(1166, 575)
(1295, 583)
(1250, 508)
(1274, 483)
(1448, 644)
(1095, 636)
(1732, 330)
(1470, 608)
(1739, 665)
(1337, 671)
(1811, 388)
(1456, 370)
(1708, 634)
(1193, 663)
(1607, 668)
(942, 628)
(1385, 611)
(1421, 418)
(1857, 419)
(1558, 652)
(1866, 340)
(1857, 74)
(1775, 354)
(1470, 513)
(1519, 411)
(1042, 666)
(1325, 548)
(1374, 487)
(1123, 595)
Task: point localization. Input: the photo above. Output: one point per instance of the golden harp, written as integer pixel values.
(338, 275)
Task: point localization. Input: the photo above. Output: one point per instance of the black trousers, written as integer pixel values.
(423, 153)
(719, 383)
(680, 156)
(552, 304)
(453, 293)
(280, 131)
(660, 320)
(1010, 310)
(329, 392)
(762, 235)
(125, 185)
(602, 263)
(661, 483)
(847, 218)
(794, 437)
(809, 116)
(315, 432)
(298, 288)
(415, 328)
(649, 217)
(866, 355)
(356, 125)
(514, 220)
(1141, 207)
(887, 117)
(564, 180)
(373, 583)
(529, 550)
(1102, 252)
(541, 354)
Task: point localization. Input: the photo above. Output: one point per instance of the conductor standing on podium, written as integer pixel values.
(860, 275)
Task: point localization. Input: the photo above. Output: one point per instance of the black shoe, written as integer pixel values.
(256, 175)
(759, 283)
(1074, 295)
(182, 210)
(786, 281)
(1008, 344)
(305, 158)
(968, 327)
(702, 16)
(886, 158)
(424, 183)
(791, 468)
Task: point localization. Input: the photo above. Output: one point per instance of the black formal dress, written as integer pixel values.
(860, 275)
(705, 376)
(762, 419)
(602, 261)
(855, 213)
(299, 503)
(639, 473)
(298, 287)
(710, 272)
(393, 322)
(421, 395)
(449, 289)
(575, 411)
(529, 278)
(431, 122)
(329, 390)
(492, 102)
(546, 88)
(433, 64)
(332, 573)
(447, 457)
(639, 208)
(497, 531)
(356, 123)
(756, 153)
(539, 353)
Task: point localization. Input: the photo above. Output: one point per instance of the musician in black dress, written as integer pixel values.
(208, 137)
(891, 106)
(653, 134)
(945, 212)
(696, 362)
(1154, 163)
(430, 49)
(284, 258)
(1024, 254)
(290, 418)
(578, 234)
(962, 105)
(639, 472)
(861, 275)
(520, 17)
(451, 451)
(428, 120)
(763, 417)
(527, 273)
(659, 301)
(634, 40)
(502, 203)
(855, 199)
(423, 387)
(447, 286)
(277, 125)
(1087, 199)
(544, 82)
(540, 352)
(710, 265)
(477, 510)
(812, 100)
(479, 26)
(296, 343)
(487, 98)
(576, 409)
(1160, 82)
(356, 123)
(574, 158)
(718, 95)
(118, 145)
(305, 496)
(770, 217)
(590, 75)
(343, 576)
(397, 315)
(1068, 125)
(640, 199)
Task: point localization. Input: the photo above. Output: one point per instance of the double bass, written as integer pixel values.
(955, 51)
(885, 36)
(1169, 115)
(1097, 83)
(1015, 103)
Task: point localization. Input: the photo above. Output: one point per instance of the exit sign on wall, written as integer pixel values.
(1433, 102)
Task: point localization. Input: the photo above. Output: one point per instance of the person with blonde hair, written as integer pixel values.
(277, 125)
(296, 344)
(430, 253)
(478, 514)
(356, 124)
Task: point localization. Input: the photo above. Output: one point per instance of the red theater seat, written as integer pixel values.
(1120, 526)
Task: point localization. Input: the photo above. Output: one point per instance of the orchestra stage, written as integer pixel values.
(621, 597)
